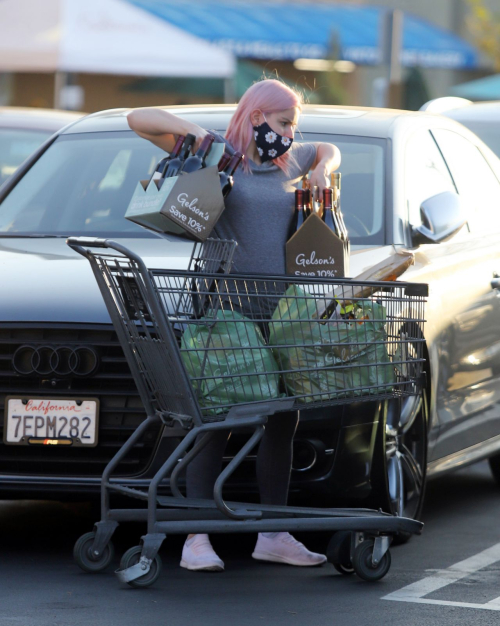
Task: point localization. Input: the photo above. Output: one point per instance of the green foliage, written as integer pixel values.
(484, 26)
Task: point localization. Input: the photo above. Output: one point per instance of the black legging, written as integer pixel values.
(274, 461)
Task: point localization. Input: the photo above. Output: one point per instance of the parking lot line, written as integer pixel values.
(417, 591)
(490, 606)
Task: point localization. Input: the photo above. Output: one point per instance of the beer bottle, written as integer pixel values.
(226, 175)
(306, 188)
(328, 215)
(316, 201)
(224, 161)
(161, 168)
(197, 161)
(174, 165)
(307, 203)
(299, 217)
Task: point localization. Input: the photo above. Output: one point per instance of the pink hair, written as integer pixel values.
(269, 96)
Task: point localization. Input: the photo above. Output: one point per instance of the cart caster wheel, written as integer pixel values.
(339, 552)
(362, 562)
(83, 557)
(346, 570)
(132, 557)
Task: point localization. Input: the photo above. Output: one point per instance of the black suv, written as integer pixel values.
(58, 347)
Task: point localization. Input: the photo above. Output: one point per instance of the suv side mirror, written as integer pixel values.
(442, 215)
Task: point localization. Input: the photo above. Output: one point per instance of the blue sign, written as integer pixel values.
(289, 31)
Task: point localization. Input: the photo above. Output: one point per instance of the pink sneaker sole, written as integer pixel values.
(202, 568)
(277, 558)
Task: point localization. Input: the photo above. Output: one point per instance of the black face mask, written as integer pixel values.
(270, 145)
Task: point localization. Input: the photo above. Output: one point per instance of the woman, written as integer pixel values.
(258, 215)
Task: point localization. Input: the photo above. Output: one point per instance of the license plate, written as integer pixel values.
(51, 422)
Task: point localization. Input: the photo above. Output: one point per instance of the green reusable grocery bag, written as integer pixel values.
(337, 359)
(228, 362)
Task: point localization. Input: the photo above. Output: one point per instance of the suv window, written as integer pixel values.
(487, 131)
(426, 173)
(474, 179)
(15, 146)
(363, 185)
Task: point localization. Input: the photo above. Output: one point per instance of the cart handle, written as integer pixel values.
(91, 242)
(78, 244)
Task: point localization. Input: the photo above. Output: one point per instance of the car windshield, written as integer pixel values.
(83, 184)
(16, 145)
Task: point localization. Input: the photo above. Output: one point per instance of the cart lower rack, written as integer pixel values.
(214, 351)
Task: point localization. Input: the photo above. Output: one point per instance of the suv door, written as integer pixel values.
(427, 175)
(468, 404)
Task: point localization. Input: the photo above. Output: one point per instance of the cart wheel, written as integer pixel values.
(339, 552)
(346, 570)
(362, 562)
(132, 557)
(82, 554)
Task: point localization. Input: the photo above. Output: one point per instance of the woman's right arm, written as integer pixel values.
(162, 127)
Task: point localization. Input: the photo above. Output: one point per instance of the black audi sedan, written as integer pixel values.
(403, 186)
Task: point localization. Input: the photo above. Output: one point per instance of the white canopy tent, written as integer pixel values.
(101, 37)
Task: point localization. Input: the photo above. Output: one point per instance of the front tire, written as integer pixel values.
(494, 462)
(402, 458)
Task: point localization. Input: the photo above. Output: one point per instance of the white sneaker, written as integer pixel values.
(198, 555)
(283, 548)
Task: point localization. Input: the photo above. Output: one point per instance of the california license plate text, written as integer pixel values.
(51, 419)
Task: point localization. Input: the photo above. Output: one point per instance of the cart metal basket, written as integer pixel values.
(211, 350)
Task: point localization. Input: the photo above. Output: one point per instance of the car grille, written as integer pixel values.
(120, 411)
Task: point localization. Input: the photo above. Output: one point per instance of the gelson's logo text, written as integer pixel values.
(183, 200)
(304, 261)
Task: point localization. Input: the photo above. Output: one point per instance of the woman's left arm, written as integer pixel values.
(327, 161)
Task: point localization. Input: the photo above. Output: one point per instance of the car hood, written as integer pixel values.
(43, 280)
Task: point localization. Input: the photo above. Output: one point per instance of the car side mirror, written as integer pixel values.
(442, 216)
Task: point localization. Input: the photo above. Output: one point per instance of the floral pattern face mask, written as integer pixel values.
(270, 145)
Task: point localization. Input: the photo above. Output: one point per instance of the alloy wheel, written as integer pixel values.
(406, 455)
(404, 448)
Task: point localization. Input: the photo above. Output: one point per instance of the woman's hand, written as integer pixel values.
(200, 134)
(327, 161)
(320, 176)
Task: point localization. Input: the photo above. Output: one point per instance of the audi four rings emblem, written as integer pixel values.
(55, 360)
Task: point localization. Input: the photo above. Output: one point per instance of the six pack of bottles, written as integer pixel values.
(318, 244)
(185, 194)
(180, 161)
(307, 202)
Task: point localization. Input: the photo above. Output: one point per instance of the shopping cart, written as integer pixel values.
(189, 337)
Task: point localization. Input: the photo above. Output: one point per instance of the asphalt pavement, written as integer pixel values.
(449, 575)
